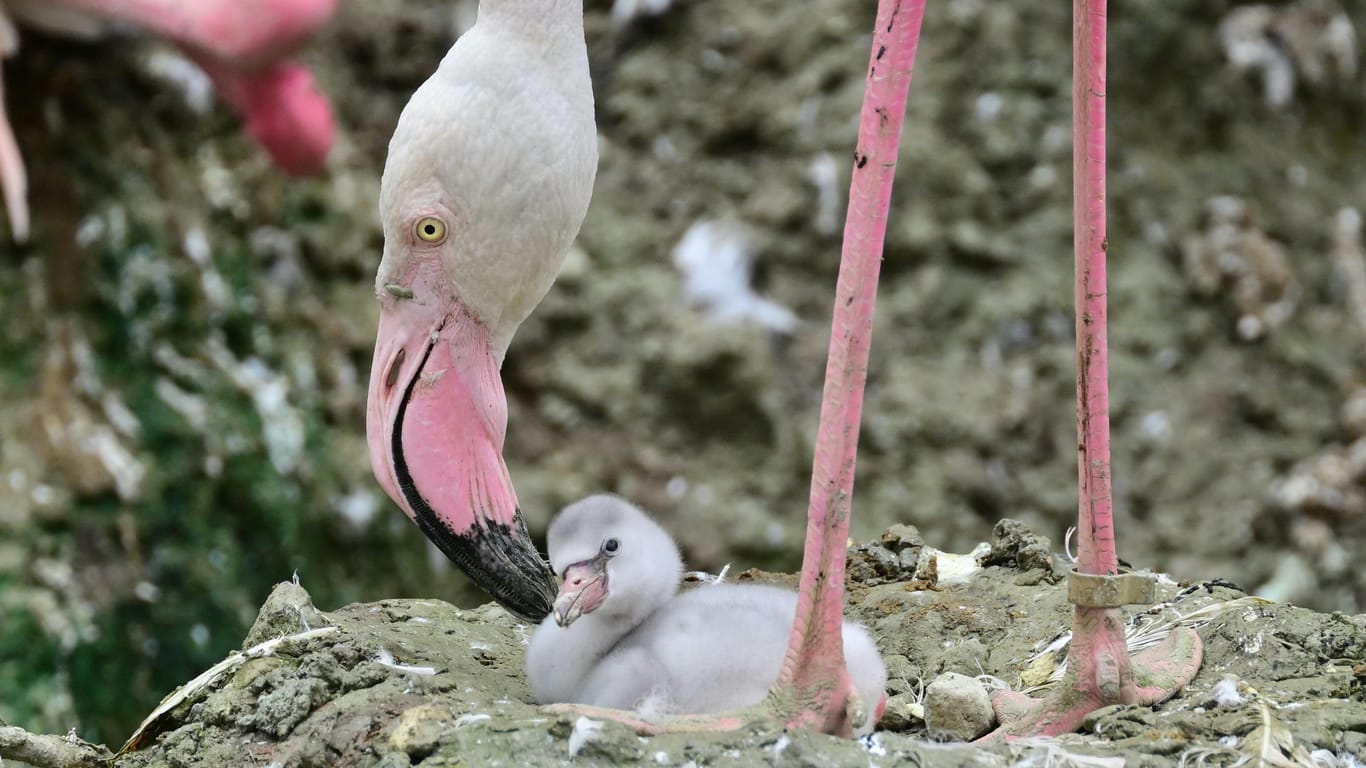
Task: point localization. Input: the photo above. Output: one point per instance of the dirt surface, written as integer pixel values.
(188, 337)
(419, 682)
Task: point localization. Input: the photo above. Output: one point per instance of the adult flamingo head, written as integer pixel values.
(488, 178)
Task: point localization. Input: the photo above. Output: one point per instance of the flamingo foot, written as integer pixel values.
(823, 700)
(1096, 677)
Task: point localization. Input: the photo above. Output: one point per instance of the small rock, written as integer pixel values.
(417, 731)
(968, 657)
(1014, 545)
(900, 537)
(957, 708)
(289, 610)
(871, 564)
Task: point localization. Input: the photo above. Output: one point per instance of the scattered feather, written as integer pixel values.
(585, 732)
(1141, 632)
(1272, 745)
(386, 659)
(1225, 693)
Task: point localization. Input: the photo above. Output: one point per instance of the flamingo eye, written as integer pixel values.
(430, 230)
(611, 546)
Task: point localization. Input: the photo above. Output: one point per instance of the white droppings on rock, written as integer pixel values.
(43, 494)
(89, 230)
(774, 533)
(778, 747)
(873, 743)
(1157, 426)
(664, 149)
(1244, 35)
(823, 173)
(987, 108)
(125, 469)
(626, 11)
(146, 591)
(281, 425)
(217, 294)
(716, 259)
(951, 567)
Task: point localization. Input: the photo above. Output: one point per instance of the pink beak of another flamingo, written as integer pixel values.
(243, 45)
(283, 111)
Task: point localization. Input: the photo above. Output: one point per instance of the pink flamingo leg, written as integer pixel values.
(247, 33)
(13, 178)
(1100, 671)
(813, 687)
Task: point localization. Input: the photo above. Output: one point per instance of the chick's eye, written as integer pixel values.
(611, 546)
(431, 230)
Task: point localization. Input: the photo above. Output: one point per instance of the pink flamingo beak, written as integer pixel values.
(244, 45)
(283, 111)
(435, 423)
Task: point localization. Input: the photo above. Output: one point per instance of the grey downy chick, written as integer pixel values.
(622, 636)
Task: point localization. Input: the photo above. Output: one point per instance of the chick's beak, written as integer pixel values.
(584, 589)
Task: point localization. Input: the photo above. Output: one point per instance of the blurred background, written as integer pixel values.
(187, 335)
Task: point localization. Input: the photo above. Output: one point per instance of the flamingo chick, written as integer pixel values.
(488, 178)
(621, 636)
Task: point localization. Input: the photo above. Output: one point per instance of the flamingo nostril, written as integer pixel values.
(392, 379)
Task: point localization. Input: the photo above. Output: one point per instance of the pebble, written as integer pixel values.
(957, 708)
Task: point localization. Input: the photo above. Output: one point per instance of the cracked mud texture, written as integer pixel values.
(187, 338)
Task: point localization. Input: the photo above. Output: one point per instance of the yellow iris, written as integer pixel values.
(431, 230)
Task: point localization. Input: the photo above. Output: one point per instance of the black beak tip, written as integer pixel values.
(503, 562)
